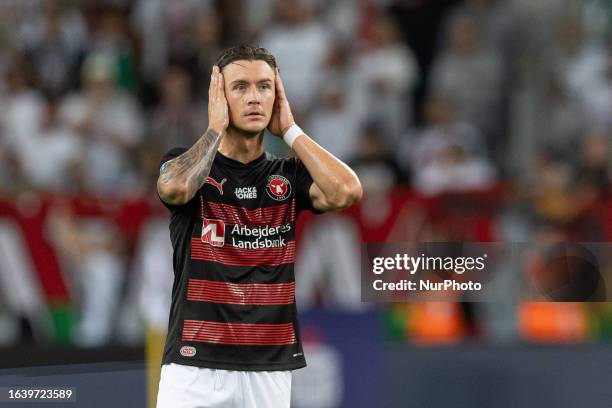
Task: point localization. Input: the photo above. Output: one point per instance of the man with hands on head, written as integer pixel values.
(233, 335)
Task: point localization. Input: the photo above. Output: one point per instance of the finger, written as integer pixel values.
(222, 93)
(212, 87)
(221, 85)
(213, 76)
(279, 84)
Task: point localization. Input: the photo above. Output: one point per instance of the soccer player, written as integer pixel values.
(233, 335)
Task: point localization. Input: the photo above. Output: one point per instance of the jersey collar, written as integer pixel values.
(235, 163)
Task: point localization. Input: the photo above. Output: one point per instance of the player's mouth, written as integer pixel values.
(255, 115)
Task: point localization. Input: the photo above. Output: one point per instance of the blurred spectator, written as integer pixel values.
(153, 270)
(343, 17)
(454, 171)
(494, 17)
(22, 111)
(381, 212)
(36, 20)
(206, 39)
(177, 121)
(584, 69)
(385, 72)
(12, 176)
(334, 122)
(110, 124)
(55, 47)
(165, 29)
(570, 197)
(590, 188)
(549, 185)
(110, 37)
(470, 73)
(536, 22)
(20, 289)
(593, 168)
(375, 162)
(448, 154)
(53, 147)
(234, 24)
(300, 43)
(420, 23)
(564, 119)
(91, 253)
(597, 18)
(327, 270)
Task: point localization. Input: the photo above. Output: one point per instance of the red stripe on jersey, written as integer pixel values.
(238, 333)
(241, 294)
(271, 216)
(230, 255)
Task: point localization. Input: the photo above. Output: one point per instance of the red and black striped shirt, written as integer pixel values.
(233, 298)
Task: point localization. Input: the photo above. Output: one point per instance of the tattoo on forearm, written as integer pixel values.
(194, 165)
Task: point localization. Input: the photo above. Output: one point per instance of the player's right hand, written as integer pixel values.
(218, 116)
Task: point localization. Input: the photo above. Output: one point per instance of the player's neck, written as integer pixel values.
(240, 147)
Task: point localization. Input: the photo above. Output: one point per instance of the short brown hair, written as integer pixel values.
(245, 52)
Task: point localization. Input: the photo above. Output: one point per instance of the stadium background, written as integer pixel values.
(473, 120)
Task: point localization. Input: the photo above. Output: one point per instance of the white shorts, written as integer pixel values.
(182, 386)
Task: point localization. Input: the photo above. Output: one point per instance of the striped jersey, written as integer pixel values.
(233, 297)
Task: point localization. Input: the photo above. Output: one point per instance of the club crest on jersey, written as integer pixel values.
(278, 187)
(213, 182)
(213, 232)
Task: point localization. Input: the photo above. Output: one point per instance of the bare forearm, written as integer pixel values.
(336, 181)
(335, 186)
(184, 175)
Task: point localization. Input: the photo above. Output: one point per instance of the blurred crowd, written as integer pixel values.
(444, 96)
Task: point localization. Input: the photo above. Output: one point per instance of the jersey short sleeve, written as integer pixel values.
(171, 154)
(166, 158)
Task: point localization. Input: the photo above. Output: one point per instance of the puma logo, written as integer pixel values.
(212, 181)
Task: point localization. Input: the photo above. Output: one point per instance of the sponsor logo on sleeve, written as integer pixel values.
(278, 187)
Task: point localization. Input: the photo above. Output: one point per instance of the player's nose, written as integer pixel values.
(253, 96)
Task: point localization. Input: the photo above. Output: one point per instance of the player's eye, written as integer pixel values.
(240, 87)
(265, 86)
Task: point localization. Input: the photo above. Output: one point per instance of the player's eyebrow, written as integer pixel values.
(244, 81)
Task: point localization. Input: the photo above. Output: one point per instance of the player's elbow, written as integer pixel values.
(173, 193)
(354, 192)
(347, 194)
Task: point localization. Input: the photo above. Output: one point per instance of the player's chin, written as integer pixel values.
(254, 126)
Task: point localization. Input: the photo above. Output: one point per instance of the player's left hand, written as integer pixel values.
(282, 118)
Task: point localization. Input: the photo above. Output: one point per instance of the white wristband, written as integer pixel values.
(291, 134)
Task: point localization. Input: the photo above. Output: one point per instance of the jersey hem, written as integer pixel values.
(237, 367)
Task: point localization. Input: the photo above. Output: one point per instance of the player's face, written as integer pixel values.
(250, 92)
